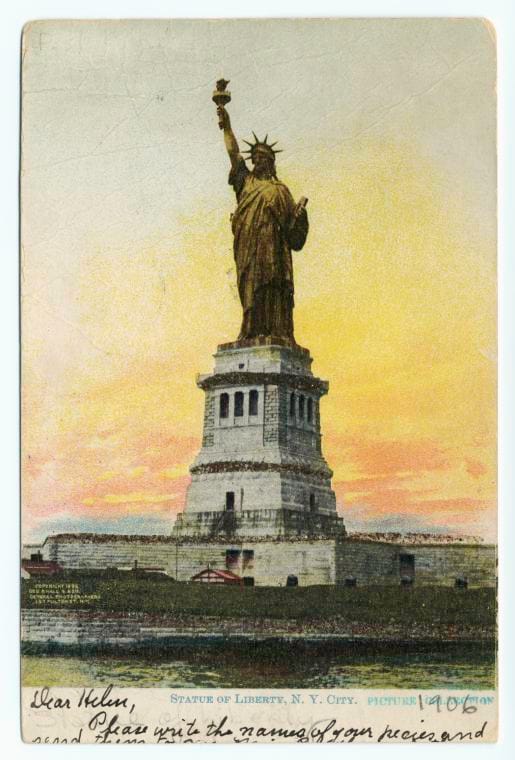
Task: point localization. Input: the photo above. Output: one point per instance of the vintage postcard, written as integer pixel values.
(259, 381)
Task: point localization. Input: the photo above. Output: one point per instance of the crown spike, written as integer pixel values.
(253, 146)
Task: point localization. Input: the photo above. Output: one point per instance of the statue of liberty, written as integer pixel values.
(267, 225)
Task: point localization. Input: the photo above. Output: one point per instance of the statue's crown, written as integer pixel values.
(263, 144)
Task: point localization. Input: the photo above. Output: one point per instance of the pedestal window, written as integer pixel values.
(224, 405)
(253, 403)
(238, 404)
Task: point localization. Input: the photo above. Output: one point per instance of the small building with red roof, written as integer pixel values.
(40, 568)
(210, 575)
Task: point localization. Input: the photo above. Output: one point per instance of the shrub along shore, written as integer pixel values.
(392, 612)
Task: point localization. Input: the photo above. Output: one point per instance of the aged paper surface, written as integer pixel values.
(259, 372)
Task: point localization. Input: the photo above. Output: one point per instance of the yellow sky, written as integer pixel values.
(129, 284)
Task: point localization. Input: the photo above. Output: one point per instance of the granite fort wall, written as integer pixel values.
(87, 627)
(314, 562)
(477, 563)
(367, 562)
(434, 564)
(78, 552)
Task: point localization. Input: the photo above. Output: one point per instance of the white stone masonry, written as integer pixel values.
(261, 471)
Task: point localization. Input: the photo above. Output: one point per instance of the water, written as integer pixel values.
(204, 669)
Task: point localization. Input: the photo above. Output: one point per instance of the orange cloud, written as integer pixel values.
(475, 469)
(385, 457)
(136, 497)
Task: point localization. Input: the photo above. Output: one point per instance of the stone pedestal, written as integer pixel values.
(260, 471)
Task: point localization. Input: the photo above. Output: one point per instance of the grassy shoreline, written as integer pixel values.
(168, 614)
(386, 606)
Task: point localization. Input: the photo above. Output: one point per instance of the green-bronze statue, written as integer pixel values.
(267, 225)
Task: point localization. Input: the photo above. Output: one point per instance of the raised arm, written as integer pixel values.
(231, 144)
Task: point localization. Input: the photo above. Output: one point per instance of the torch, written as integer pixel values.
(221, 96)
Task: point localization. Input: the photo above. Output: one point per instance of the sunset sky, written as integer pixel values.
(128, 281)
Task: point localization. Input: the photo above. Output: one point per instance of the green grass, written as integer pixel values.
(369, 605)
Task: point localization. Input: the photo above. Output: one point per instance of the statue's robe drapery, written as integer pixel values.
(265, 232)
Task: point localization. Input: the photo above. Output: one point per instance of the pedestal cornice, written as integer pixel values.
(287, 468)
(299, 382)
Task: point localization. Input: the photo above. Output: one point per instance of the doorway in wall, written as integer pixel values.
(407, 566)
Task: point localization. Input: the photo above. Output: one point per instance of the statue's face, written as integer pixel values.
(263, 163)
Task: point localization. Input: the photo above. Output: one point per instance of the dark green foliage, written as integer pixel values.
(388, 606)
